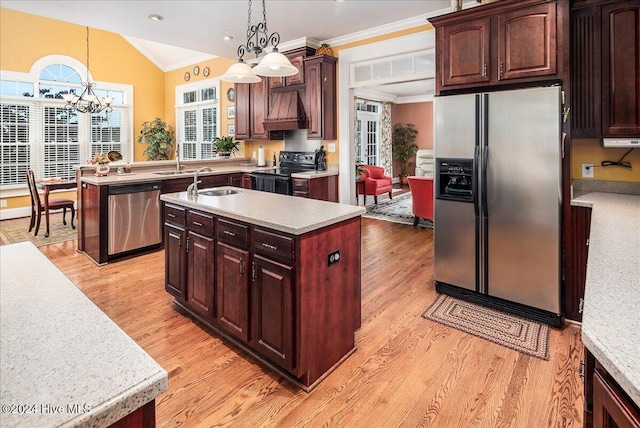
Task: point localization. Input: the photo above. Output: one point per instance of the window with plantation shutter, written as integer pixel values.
(39, 133)
(197, 119)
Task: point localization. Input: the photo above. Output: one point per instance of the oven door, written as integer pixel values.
(272, 183)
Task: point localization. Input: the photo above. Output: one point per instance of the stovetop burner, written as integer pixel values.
(290, 163)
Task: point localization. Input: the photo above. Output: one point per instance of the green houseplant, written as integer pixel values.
(226, 146)
(159, 138)
(404, 146)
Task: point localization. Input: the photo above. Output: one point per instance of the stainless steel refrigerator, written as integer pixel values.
(498, 194)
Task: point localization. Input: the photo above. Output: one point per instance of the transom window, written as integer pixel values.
(39, 133)
(197, 119)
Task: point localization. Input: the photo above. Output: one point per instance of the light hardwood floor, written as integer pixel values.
(406, 372)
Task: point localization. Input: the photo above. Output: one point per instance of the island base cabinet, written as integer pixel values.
(273, 311)
(200, 274)
(232, 291)
(610, 408)
(175, 261)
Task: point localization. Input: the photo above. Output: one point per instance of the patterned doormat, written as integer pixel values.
(514, 332)
(397, 210)
(57, 233)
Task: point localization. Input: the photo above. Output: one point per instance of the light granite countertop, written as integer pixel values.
(63, 362)
(285, 213)
(611, 317)
(148, 173)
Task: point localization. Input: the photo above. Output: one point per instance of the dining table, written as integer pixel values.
(49, 184)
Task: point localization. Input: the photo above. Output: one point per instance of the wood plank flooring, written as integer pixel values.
(406, 372)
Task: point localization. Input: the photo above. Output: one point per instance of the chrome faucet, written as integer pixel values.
(177, 156)
(192, 189)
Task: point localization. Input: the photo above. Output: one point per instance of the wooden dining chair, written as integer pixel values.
(37, 208)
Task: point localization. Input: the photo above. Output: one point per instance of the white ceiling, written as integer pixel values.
(192, 31)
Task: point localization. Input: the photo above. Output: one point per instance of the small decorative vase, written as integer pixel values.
(102, 169)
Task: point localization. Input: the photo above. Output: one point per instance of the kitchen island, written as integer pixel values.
(63, 362)
(277, 275)
(611, 318)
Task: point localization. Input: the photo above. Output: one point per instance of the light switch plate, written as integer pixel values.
(331, 147)
(587, 170)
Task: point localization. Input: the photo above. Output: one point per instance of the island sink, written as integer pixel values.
(218, 192)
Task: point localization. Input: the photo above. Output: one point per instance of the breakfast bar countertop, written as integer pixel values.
(63, 362)
(285, 213)
(611, 317)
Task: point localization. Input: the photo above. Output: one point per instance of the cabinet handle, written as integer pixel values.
(254, 271)
(241, 265)
(187, 249)
(171, 215)
(226, 232)
(484, 72)
(197, 223)
(269, 246)
(500, 69)
(581, 369)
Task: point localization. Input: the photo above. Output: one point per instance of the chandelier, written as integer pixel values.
(87, 102)
(274, 64)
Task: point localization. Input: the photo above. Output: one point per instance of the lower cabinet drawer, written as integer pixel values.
(174, 214)
(233, 233)
(300, 185)
(274, 246)
(202, 223)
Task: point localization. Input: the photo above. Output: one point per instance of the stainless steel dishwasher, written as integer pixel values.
(134, 217)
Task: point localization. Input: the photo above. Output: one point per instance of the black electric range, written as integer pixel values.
(278, 180)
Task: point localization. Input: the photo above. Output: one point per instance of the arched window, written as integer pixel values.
(40, 134)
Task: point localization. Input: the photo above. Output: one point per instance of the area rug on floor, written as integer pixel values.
(397, 210)
(58, 232)
(514, 332)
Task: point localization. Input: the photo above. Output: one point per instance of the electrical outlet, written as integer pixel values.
(331, 147)
(333, 257)
(587, 170)
(3, 203)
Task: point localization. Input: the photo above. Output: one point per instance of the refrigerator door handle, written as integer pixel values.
(474, 181)
(485, 155)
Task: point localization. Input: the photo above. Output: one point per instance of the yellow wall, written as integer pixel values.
(592, 151)
(112, 59)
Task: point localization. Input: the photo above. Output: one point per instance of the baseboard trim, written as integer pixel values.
(10, 213)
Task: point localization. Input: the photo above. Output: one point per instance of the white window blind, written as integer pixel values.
(39, 133)
(197, 119)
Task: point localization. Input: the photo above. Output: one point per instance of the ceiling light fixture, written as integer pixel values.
(274, 64)
(87, 102)
(155, 17)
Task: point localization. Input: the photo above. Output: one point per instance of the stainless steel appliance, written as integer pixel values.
(134, 217)
(278, 180)
(497, 200)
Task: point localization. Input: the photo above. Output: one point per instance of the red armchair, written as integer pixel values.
(375, 182)
(422, 197)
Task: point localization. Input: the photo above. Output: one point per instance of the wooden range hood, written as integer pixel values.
(286, 113)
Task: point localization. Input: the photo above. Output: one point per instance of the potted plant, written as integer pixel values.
(159, 138)
(359, 168)
(226, 146)
(404, 146)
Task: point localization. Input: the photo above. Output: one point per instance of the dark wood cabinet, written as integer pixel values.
(605, 69)
(606, 404)
(296, 56)
(576, 263)
(246, 181)
(320, 97)
(232, 290)
(175, 240)
(507, 42)
(251, 109)
(322, 188)
(94, 222)
(274, 294)
(272, 306)
(621, 69)
(466, 53)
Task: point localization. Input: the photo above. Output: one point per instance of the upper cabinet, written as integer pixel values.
(252, 108)
(605, 69)
(507, 42)
(320, 97)
(296, 57)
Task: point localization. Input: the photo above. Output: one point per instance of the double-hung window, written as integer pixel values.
(39, 133)
(197, 118)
